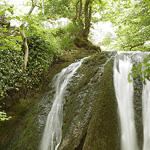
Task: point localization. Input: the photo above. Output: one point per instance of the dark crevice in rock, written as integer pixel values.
(137, 101)
(80, 147)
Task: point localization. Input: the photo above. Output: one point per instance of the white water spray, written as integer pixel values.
(53, 130)
(124, 95)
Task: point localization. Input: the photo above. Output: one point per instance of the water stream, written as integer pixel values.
(124, 95)
(53, 128)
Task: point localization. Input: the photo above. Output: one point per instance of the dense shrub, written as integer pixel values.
(67, 35)
(42, 53)
(43, 47)
(10, 68)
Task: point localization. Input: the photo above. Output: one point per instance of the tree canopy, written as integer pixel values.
(132, 21)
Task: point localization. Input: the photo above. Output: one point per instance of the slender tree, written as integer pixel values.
(24, 36)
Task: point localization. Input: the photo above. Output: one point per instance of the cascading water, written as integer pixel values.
(124, 95)
(53, 130)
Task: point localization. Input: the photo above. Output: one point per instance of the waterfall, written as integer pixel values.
(53, 129)
(124, 95)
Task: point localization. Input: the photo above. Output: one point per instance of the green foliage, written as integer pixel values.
(142, 70)
(5, 7)
(67, 35)
(132, 20)
(57, 8)
(65, 8)
(3, 116)
(6, 40)
(43, 47)
(11, 58)
(67, 42)
(10, 68)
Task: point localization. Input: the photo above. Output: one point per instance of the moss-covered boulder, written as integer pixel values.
(90, 112)
(90, 119)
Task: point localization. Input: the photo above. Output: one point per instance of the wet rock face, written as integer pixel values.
(90, 118)
(26, 134)
(137, 100)
(90, 112)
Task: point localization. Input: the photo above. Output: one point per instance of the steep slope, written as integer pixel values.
(90, 112)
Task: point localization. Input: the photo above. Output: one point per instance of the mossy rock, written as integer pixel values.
(90, 120)
(90, 114)
(82, 42)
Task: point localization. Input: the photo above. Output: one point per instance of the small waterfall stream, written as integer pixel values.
(53, 128)
(124, 95)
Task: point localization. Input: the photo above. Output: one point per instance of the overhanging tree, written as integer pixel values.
(80, 12)
(83, 20)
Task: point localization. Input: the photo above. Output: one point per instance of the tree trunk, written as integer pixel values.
(81, 39)
(76, 17)
(79, 16)
(24, 37)
(87, 13)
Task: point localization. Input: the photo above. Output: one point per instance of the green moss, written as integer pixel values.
(102, 133)
(72, 55)
(91, 97)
